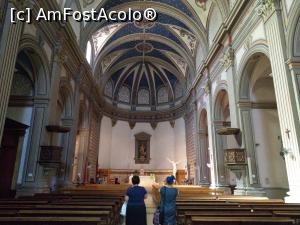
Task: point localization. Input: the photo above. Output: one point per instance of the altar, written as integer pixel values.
(145, 181)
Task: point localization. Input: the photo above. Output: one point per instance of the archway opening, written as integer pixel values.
(259, 91)
(222, 119)
(204, 148)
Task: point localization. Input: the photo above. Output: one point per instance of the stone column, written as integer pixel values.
(191, 141)
(82, 150)
(74, 128)
(294, 66)
(3, 7)
(211, 136)
(203, 145)
(219, 154)
(228, 64)
(8, 54)
(198, 170)
(57, 65)
(249, 143)
(286, 102)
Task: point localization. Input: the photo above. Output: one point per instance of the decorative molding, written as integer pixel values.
(201, 4)
(88, 2)
(114, 122)
(265, 8)
(187, 37)
(153, 125)
(172, 123)
(228, 59)
(207, 88)
(256, 105)
(131, 124)
(22, 4)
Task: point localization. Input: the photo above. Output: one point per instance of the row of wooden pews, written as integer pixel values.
(86, 205)
(232, 210)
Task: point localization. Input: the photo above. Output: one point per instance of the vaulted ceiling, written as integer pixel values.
(144, 66)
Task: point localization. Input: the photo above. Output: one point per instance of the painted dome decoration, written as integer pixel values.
(145, 65)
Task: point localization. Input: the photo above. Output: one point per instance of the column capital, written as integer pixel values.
(228, 58)
(207, 88)
(60, 55)
(22, 4)
(265, 8)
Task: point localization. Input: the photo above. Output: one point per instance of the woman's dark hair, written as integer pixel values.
(135, 179)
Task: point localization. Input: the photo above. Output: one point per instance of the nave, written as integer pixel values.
(208, 92)
(101, 204)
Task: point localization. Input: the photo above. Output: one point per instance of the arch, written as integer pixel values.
(204, 148)
(32, 58)
(40, 65)
(220, 89)
(66, 98)
(221, 118)
(241, 88)
(260, 123)
(215, 15)
(197, 29)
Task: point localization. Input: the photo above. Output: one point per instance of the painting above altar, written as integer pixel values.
(142, 148)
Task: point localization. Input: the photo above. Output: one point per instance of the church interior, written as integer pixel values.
(209, 92)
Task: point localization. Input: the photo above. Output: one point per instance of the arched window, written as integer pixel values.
(89, 52)
(124, 94)
(162, 95)
(143, 97)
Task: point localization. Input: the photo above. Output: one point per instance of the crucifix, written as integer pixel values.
(287, 131)
(174, 164)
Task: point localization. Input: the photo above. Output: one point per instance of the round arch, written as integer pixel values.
(40, 65)
(294, 30)
(243, 74)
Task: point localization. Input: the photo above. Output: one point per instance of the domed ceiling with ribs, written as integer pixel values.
(144, 66)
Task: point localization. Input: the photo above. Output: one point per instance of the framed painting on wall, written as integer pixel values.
(142, 148)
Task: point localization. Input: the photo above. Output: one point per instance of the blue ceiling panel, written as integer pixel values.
(129, 54)
(126, 45)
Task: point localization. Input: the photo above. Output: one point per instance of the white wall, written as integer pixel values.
(105, 143)
(117, 145)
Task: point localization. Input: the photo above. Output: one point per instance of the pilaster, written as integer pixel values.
(58, 60)
(211, 135)
(74, 129)
(8, 54)
(228, 64)
(286, 102)
(204, 179)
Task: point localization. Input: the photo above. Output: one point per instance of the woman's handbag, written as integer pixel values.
(123, 209)
(156, 216)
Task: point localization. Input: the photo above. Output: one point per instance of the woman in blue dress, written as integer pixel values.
(168, 196)
(136, 208)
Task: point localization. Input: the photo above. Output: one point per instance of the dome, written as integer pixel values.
(143, 66)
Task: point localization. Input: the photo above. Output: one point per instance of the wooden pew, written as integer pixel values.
(197, 220)
(52, 220)
(187, 217)
(188, 208)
